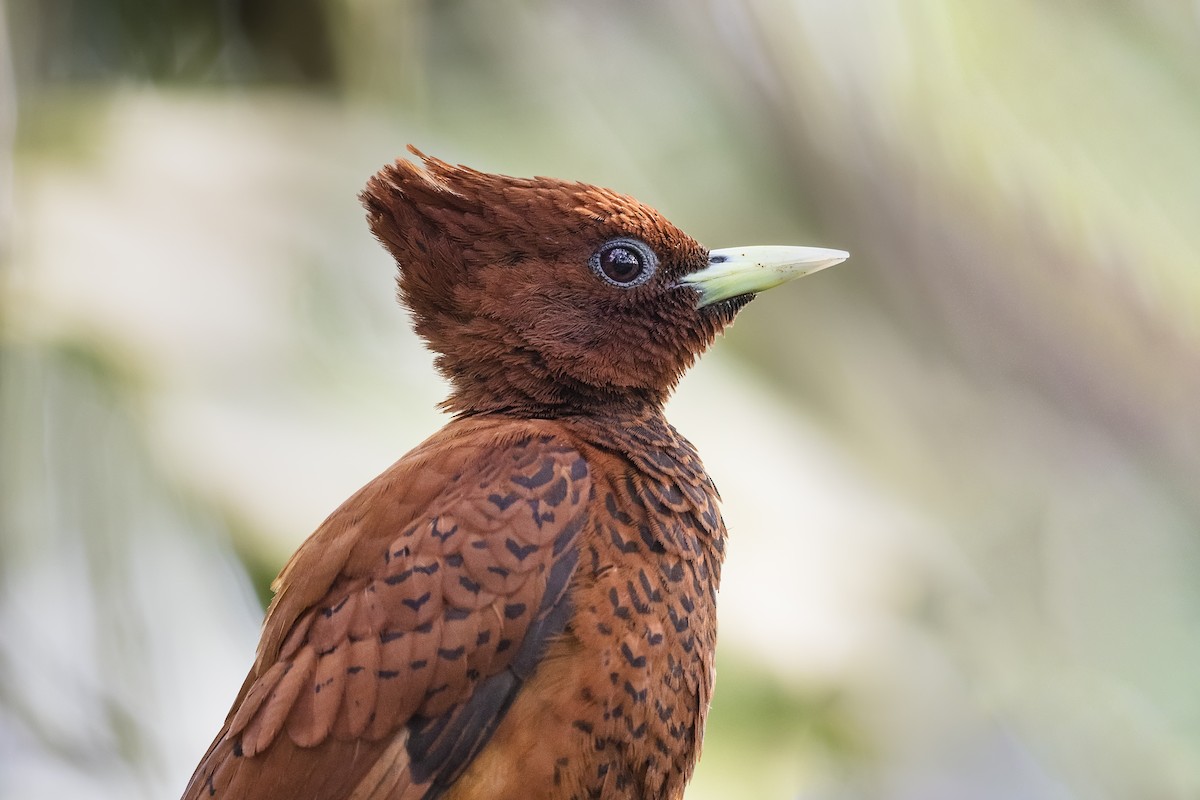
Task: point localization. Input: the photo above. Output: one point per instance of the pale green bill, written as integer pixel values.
(737, 271)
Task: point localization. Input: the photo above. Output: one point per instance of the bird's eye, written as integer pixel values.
(624, 262)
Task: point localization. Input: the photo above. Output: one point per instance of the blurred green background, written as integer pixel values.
(961, 471)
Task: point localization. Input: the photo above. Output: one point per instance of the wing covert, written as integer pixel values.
(430, 638)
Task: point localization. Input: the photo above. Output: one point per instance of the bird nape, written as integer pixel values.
(524, 605)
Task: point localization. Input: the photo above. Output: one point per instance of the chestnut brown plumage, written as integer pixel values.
(524, 605)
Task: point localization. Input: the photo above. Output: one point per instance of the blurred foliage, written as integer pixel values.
(175, 42)
(961, 470)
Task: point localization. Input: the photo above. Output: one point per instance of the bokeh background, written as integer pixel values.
(961, 471)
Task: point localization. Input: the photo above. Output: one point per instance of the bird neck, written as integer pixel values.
(656, 461)
(662, 473)
(646, 441)
(632, 429)
(580, 403)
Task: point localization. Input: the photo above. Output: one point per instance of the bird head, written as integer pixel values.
(551, 297)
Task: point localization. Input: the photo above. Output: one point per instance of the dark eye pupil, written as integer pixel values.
(624, 262)
(621, 264)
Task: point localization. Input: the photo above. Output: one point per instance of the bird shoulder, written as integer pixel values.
(418, 608)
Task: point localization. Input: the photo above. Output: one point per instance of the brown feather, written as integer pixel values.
(279, 705)
(361, 686)
(400, 684)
